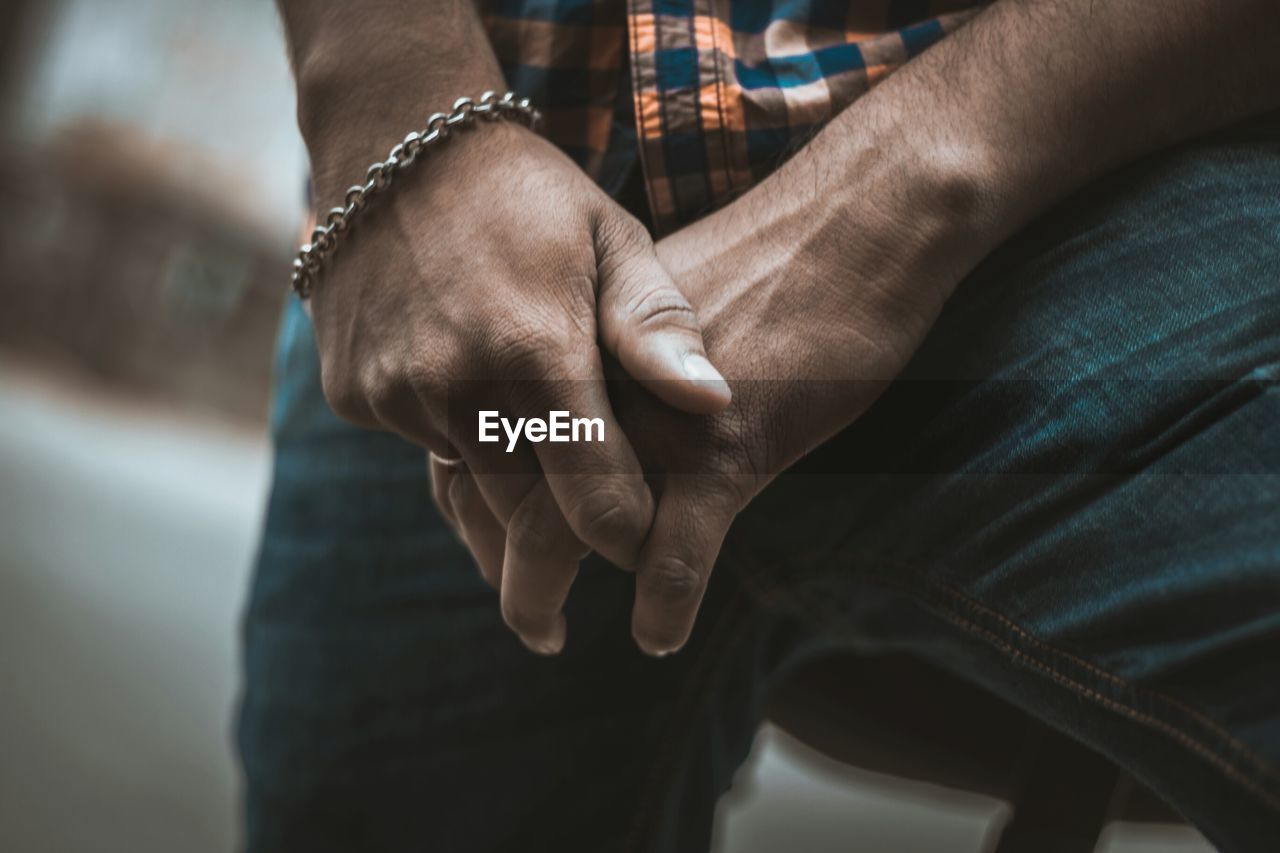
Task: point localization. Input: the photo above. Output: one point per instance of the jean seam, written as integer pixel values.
(1243, 751)
(1009, 648)
(1171, 730)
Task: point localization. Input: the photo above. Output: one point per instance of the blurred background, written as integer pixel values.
(150, 177)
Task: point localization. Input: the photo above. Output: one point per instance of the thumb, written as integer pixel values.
(648, 325)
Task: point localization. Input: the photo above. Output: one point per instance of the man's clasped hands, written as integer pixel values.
(500, 277)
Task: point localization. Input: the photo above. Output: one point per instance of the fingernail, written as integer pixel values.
(656, 653)
(697, 368)
(552, 645)
(704, 375)
(545, 647)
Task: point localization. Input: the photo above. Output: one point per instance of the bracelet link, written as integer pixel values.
(381, 174)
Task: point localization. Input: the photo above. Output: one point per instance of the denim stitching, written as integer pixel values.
(1170, 730)
(1199, 716)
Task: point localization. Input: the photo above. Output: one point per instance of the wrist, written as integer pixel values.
(347, 128)
(365, 78)
(337, 88)
(399, 168)
(930, 205)
(950, 195)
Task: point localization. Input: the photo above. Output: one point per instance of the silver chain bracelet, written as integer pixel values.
(324, 239)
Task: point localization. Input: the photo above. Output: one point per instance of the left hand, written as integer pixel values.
(835, 267)
(811, 309)
(811, 306)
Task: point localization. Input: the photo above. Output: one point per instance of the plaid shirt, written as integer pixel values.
(715, 93)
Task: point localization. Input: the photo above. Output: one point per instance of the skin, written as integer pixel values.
(837, 265)
(491, 278)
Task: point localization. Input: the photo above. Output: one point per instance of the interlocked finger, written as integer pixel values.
(540, 565)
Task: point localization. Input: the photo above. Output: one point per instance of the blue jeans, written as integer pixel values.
(1071, 499)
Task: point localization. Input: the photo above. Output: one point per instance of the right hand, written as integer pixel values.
(496, 258)
(813, 301)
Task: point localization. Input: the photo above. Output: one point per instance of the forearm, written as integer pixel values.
(1035, 98)
(369, 72)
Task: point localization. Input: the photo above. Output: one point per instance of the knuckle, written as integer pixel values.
(428, 381)
(737, 453)
(343, 396)
(606, 514)
(379, 383)
(620, 230)
(524, 353)
(673, 580)
(663, 306)
(531, 536)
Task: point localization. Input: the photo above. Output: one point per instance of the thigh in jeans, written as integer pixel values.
(1072, 496)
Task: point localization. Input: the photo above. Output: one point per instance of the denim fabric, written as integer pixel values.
(1072, 499)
